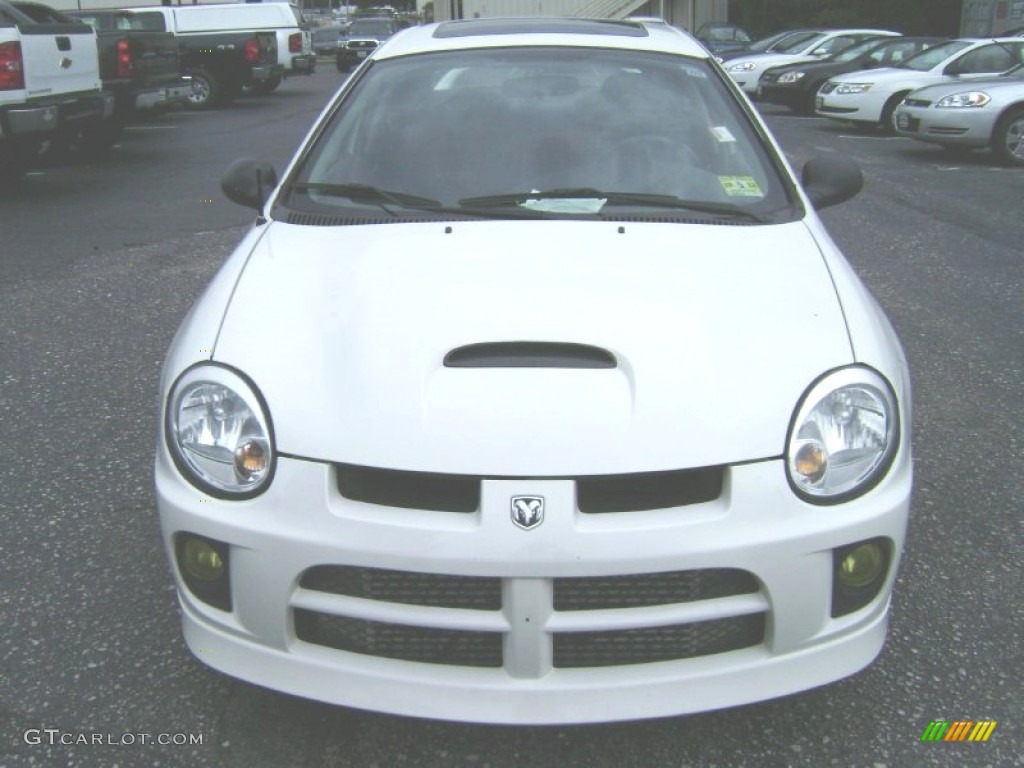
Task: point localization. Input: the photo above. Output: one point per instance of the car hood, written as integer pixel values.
(716, 332)
(989, 84)
(812, 67)
(890, 75)
(766, 60)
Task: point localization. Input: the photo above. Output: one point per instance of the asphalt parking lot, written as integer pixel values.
(101, 259)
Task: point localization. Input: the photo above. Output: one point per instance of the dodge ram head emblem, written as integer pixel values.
(527, 511)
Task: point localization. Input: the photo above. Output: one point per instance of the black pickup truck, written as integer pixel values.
(138, 63)
(219, 60)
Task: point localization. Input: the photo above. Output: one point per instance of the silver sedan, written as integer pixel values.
(962, 115)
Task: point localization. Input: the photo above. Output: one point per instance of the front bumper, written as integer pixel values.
(967, 127)
(854, 107)
(787, 96)
(463, 616)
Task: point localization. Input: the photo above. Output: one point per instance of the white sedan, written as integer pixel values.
(746, 70)
(869, 98)
(537, 393)
(981, 114)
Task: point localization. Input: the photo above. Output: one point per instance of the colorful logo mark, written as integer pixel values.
(958, 730)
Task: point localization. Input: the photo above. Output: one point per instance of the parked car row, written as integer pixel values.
(973, 88)
(113, 64)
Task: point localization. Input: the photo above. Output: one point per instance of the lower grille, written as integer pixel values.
(428, 589)
(475, 648)
(643, 646)
(395, 641)
(640, 590)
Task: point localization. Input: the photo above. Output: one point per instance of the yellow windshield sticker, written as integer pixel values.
(740, 186)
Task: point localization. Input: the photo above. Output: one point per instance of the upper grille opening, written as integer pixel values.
(410, 490)
(648, 490)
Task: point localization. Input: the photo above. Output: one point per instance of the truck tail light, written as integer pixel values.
(12, 73)
(124, 59)
(295, 43)
(252, 50)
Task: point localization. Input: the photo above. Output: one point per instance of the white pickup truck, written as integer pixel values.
(50, 91)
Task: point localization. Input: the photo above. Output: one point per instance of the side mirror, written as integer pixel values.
(249, 182)
(831, 179)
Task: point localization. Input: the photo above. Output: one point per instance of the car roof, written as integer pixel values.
(538, 31)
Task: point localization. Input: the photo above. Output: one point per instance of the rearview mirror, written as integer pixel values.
(831, 179)
(249, 182)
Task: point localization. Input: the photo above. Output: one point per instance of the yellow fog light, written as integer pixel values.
(862, 565)
(202, 561)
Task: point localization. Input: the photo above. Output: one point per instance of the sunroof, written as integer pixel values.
(539, 26)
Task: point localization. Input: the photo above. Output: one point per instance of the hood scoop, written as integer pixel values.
(529, 354)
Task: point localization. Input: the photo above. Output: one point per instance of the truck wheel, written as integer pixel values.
(1008, 138)
(206, 90)
(260, 89)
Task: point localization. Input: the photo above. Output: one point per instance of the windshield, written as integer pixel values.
(541, 130)
(722, 34)
(370, 28)
(930, 58)
(772, 42)
(800, 44)
(855, 51)
(326, 34)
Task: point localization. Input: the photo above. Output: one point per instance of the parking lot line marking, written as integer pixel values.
(149, 127)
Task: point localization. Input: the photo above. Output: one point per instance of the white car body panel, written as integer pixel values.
(718, 329)
(51, 71)
(687, 346)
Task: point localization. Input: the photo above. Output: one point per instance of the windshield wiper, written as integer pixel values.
(640, 199)
(366, 192)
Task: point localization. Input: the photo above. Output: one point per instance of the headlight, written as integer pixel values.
(791, 77)
(854, 87)
(742, 66)
(843, 437)
(219, 433)
(968, 99)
